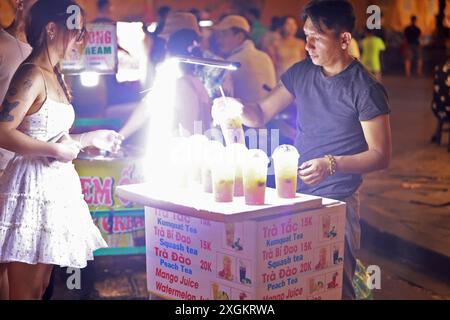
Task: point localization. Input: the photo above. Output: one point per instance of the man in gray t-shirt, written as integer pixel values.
(343, 128)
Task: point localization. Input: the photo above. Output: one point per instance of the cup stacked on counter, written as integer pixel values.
(232, 171)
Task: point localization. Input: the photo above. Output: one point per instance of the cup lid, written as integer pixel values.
(257, 155)
(284, 150)
(225, 108)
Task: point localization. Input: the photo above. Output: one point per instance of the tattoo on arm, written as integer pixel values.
(12, 91)
(7, 108)
(28, 84)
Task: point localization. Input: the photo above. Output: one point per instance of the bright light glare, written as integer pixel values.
(133, 63)
(152, 27)
(162, 102)
(206, 23)
(90, 79)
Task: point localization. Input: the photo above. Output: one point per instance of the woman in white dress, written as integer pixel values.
(44, 220)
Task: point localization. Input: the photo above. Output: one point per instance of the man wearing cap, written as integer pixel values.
(256, 76)
(211, 77)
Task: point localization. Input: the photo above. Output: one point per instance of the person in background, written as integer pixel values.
(163, 13)
(104, 12)
(353, 49)
(192, 103)
(372, 46)
(413, 48)
(272, 37)
(211, 77)
(289, 50)
(42, 224)
(14, 50)
(441, 97)
(256, 76)
(258, 29)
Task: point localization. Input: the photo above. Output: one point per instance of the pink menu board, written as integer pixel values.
(292, 256)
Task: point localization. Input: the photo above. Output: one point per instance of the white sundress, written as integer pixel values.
(43, 215)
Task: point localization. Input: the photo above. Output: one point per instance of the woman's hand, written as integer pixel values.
(67, 150)
(108, 140)
(315, 171)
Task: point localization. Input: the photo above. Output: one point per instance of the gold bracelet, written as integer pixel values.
(333, 164)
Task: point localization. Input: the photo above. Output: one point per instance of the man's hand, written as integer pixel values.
(315, 171)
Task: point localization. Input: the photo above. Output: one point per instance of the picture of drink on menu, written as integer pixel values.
(333, 280)
(245, 272)
(233, 236)
(329, 226)
(240, 295)
(220, 292)
(225, 267)
(338, 253)
(317, 285)
(321, 258)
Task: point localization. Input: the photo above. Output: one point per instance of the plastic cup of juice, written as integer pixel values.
(211, 154)
(179, 164)
(286, 170)
(222, 173)
(255, 177)
(197, 145)
(227, 113)
(238, 153)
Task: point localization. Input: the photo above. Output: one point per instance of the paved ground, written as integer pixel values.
(410, 201)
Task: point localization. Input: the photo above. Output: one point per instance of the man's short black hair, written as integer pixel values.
(336, 15)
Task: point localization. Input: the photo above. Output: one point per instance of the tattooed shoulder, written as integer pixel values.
(12, 91)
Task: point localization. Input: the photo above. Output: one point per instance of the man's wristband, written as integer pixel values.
(333, 164)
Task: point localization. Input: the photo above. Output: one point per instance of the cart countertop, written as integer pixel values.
(202, 205)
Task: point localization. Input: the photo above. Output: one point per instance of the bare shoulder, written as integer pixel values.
(26, 88)
(27, 80)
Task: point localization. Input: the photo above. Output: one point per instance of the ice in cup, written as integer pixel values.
(227, 113)
(211, 154)
(197, 145)
(255, 177)
(286, 167)
(238, 153)
(222, 176)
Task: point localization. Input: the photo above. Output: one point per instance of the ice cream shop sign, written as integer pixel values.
(99, 180)
(100, 54)
(98, 191)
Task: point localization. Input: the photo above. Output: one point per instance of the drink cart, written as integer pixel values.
(198, 249)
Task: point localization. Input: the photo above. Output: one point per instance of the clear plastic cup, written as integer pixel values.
(227, 113)
(197, 145)
(255, 177)
(286, 170)
(238, 153)
(211, 154)
(179, 164)
(222, 172)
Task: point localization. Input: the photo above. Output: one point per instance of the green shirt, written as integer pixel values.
(371, 47)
